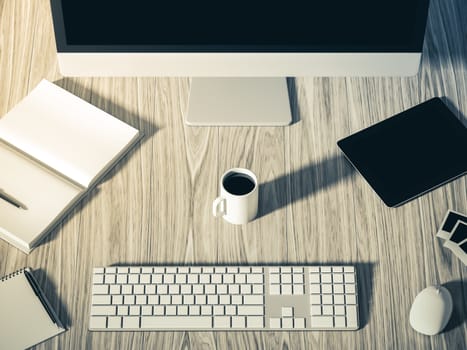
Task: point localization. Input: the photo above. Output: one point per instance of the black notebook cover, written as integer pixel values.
(410, 153)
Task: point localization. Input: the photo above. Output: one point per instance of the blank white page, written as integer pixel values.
(65, 132)
(45, 195)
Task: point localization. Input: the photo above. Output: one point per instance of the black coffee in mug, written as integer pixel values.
(238, 184)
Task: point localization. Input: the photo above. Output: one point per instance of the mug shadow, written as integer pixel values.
(302, 183)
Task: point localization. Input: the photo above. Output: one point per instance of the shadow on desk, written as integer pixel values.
(147, 129)
(365, 273)
(299, 184)
(49, 290)
(458, 290)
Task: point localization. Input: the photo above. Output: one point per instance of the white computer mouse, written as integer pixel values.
(431, 310)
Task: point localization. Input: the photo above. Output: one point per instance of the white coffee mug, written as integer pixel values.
(238, 200)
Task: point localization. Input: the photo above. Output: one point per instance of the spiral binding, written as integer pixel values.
(13, 274)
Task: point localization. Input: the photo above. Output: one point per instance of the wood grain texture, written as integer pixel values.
(155, 206)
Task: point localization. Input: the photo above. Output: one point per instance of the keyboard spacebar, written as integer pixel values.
(176, 322)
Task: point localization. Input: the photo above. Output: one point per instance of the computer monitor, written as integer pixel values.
(240, 52)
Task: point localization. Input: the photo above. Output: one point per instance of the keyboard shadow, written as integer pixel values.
(364, 272)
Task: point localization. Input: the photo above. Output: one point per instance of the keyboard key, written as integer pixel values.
(287, 323)
(327, 310)
(122, 279)
(133, 279)
(250, 310)
(230, 310)
(321, 322)
(337, 278)
(138, 289)
(115, 289)
(169, 279)
(206, 310)
(286, 289)
(286, 278)
(146, 310)
(129, 299)
(326, 288)
(156, 279)
(245, 289)
(176, 322)
(339, 321)
(238, 322)
(350, 288)
(255, 322)
(218, 310)
(98, 322)
(194, 310)
(352, 316)
(135, 310)
(109, 279)
(287, 311)
(240, 279)
(229, 278)
(123, 310)
(216, 278)
(349, 278)
(114, 322)
(222, 322)
(141, 299)
(326, 278)
(159, 310)
(150, 289)
(351, 299)
(327, 299)
(146, 270)
(192, 278)
(339, 299)
(210, 289)
(339, 310)
(104, 310)
(170, 310)
(101, 300)
(257, 289)
(180, 279)
(100, 289)
(145, 279)
(349, 269)
(182, 310)
(339, 289)
(253, 300)
(254, 278)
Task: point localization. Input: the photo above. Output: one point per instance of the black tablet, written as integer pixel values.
(410, 153)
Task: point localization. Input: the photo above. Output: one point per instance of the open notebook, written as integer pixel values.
(53, 147)
(26, 317)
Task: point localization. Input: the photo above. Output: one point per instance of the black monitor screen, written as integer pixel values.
(254, 25)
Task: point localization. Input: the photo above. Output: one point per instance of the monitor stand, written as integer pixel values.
(238, 102)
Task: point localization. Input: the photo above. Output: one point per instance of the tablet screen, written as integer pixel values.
(410, 153)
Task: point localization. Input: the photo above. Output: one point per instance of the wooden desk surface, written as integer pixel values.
(155, 206)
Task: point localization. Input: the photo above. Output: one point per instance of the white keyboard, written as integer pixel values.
(224, 298)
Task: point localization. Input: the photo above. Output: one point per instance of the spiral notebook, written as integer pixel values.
(26, 317)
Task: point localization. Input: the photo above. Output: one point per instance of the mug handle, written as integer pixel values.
(218, 202)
